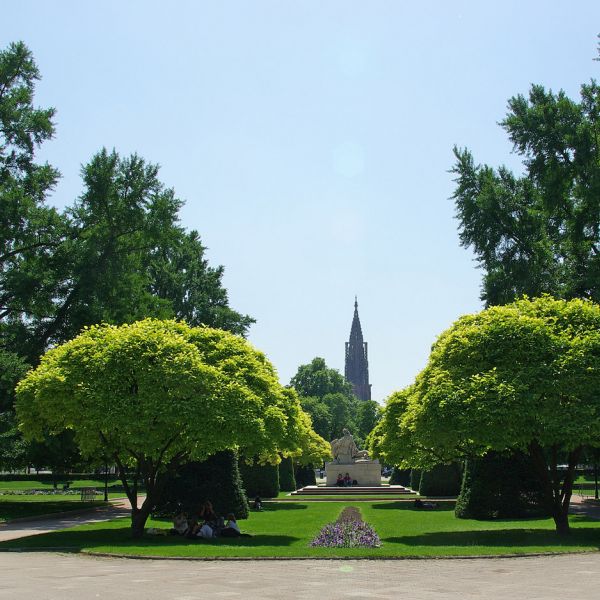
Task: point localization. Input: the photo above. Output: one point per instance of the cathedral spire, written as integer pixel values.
(357, 360)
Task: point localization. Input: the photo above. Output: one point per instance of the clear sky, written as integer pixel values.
(311, 142)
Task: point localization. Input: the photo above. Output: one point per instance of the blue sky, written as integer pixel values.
(311, 142)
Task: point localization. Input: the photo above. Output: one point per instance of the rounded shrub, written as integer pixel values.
(305, 475)
(400, 476)
(260, 480)
(500, 486)
(216, 479)
(415, 479)
(287, 480)
(442, 480)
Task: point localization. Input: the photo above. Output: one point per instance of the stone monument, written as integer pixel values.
(347, 458)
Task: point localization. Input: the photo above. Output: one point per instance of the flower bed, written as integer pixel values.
(349, 531)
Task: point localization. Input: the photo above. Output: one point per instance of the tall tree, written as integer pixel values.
(29, 230)
(538, 232)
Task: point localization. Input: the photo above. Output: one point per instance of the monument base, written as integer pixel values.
(365, 473)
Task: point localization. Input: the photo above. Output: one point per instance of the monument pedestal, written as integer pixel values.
(365, 472)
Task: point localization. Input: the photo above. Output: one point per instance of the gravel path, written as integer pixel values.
(46, 576)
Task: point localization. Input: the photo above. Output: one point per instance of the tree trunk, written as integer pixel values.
(559, 499)
(139, 516)
(561, 520)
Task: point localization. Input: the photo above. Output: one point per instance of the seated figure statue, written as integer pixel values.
(345, 450)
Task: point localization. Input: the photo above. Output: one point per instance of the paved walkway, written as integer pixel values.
(11, 531)
(47, 576)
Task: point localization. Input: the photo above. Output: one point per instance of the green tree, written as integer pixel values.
(317, 379)
(327, 397)
(29, 230)
(129, 392)
(367, 417)
(127, 257)
(523, 376)
(538, 232)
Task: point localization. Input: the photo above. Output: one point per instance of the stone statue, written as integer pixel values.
(345, 450)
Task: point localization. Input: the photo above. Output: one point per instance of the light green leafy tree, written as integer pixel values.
(524, 376)
(155, 394)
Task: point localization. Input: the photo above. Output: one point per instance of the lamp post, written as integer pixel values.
(105, 481)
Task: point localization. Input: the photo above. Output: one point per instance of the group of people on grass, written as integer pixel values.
(345, 480)
(206, 524)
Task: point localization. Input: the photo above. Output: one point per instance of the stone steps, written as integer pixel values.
(356, 490)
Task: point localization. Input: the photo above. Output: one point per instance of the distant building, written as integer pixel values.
(357, 360)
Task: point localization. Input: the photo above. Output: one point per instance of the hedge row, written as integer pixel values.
(260, 480)
(216, 479)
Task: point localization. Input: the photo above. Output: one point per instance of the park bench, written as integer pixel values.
(88, 494)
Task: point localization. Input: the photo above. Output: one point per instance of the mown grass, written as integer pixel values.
(47, 485)
(15, 507)
(285, 529)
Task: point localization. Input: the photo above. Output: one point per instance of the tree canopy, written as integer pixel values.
(523, 376)
(538, 232)
(154, 394)
(328, 398)
(116, 254)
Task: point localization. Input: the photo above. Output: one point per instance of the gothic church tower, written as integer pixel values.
(357, 360)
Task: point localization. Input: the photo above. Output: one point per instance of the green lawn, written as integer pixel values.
(45, 485)
(13, 506)
(285, 529)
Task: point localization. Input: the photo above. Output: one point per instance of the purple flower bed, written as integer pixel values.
(349, 531)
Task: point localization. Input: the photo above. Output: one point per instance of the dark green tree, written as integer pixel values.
(368, 414)
(317, 379)
(287, 480)
(216, 479)
(327, 397)
(537, 232)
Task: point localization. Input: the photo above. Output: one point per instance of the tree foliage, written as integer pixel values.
(539, 232)
(328, 398)
(155, 394)
(116, 254)
(523, 376)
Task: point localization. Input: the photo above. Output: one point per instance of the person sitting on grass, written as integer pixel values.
(347, 480)
(426, 505)
(340, 480)
(232, 529)
(207, 512)
(180, 524)
(257, 503)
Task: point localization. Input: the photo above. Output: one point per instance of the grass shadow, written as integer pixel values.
(121, 537)
(504, 538)
(277, 506)
(443, 506)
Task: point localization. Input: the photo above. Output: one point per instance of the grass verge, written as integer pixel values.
(17, 507)
(286, 529)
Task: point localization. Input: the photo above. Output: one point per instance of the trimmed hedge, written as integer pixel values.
(305, 475)
(400, 476)
(61, 477)
(442, 480)
(499, 486)
(415, 479)
(260, 480)
(287, 481)
(216, 479)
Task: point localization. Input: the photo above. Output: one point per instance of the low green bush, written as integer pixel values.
(287, 480)
(216, 479)
(260, 480)
(442, 480)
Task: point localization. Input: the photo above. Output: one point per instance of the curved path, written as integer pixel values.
(44, 524)
(64, 577)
